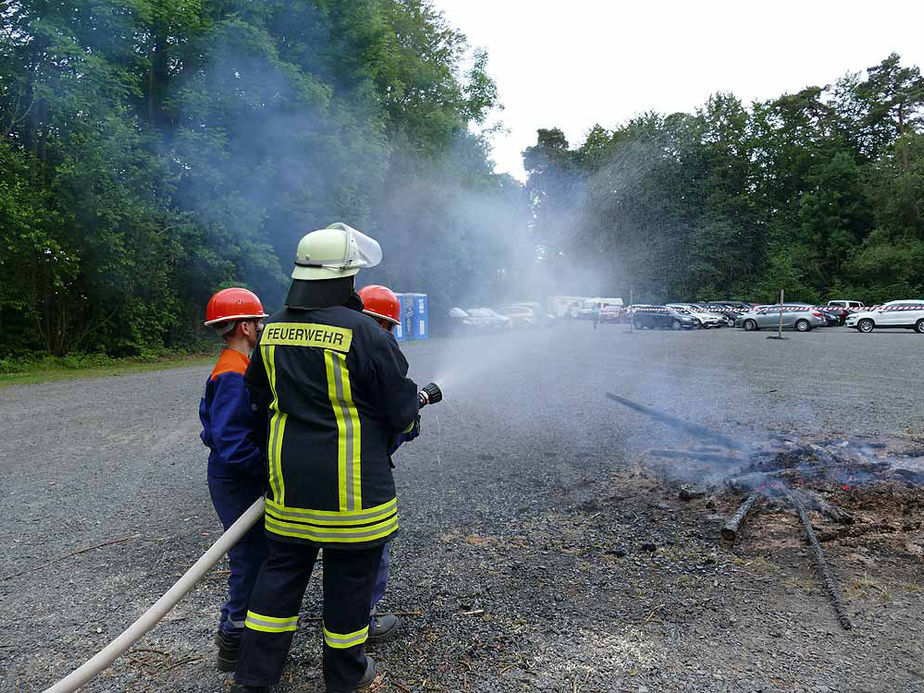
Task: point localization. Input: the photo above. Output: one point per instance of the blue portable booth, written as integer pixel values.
(402, 330)
(420, 326)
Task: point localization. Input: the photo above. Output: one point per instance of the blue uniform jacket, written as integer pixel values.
(229, 423)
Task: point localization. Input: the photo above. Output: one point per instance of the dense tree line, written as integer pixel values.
(153, 151)
(819, 192)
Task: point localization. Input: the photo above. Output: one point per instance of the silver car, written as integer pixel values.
(796, 316)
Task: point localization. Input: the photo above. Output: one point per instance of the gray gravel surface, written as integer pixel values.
(524, 514)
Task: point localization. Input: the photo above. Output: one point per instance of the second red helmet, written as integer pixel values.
(381, 302)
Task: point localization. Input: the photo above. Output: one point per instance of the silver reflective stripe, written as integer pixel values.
(339, 367)
(287, 624)
(359, 518)
(236, 624)
(312, 532)
(344, 641)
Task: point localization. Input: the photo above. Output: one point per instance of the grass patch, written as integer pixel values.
(865, 587)
(24, 372)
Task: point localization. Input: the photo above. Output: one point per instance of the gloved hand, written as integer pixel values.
(405, 436)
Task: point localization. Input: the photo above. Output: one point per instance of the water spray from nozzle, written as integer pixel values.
(429, 394)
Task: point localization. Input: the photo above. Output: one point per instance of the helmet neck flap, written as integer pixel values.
(321, 293)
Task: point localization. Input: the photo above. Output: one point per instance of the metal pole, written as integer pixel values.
(631, 303)
(780, 334)
(89, 669)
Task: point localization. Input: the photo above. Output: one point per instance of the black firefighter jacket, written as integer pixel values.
(335, 390)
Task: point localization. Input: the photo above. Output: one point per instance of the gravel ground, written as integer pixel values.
(539, 551)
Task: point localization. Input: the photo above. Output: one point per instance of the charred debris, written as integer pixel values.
(779, 471)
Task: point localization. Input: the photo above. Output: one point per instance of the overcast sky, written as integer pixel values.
(573, 63)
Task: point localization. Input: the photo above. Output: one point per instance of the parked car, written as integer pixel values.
(833, 316)
(705, 317)
(729, 312)
(850, 305)
(614, 314)
(842, 308)
(907, 314)
(520, 316)
(660, 316)
(796, 316)
(477, 320)
(487, 319)
(540, 314)
(738, 306)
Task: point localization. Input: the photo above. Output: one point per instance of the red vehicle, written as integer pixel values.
(614, 314)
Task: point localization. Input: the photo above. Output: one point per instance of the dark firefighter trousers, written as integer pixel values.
(349, 577)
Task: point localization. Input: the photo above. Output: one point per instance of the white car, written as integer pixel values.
(706, 318)
(907, 314)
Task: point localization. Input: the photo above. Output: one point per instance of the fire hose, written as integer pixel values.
(430, 394)
(150, 618)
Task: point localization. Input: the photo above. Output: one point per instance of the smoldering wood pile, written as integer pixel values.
(778, 471)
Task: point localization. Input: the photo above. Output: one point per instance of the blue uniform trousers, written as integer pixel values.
(231, 497)
(381, 581)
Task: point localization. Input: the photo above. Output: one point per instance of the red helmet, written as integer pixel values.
(381, 302)
(233, 304)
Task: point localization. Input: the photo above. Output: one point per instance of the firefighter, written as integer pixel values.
(382, 305)
(335, 391)
(236, 469)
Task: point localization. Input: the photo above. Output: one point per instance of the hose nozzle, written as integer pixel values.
(430, 394)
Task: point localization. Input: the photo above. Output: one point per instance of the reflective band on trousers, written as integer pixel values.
(341, 642)
(270, 624)
(349, 442)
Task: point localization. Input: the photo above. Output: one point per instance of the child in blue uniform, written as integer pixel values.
(237, 467)
(382, 305)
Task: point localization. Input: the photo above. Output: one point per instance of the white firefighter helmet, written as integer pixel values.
(335, 252)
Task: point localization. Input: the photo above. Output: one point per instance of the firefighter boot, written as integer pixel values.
(383, 627)
(227, 651)
(366, 680)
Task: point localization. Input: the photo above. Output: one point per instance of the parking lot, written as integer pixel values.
(508, 518)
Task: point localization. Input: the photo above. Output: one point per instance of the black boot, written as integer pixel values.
(239, 688)
(383, 627)
(227, 651)
(367, 679)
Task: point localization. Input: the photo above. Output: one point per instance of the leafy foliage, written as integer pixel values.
(819, 192)
(154, 151)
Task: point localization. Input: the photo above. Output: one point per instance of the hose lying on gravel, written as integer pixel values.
(162, 607)
(688, 426)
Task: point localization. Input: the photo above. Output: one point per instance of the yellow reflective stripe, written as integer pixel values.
(277, 428)
(341, 427)
(354, 440)
(343, 641)
(410, 427)
(333, 517)
(332, 535)
(270, 624)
